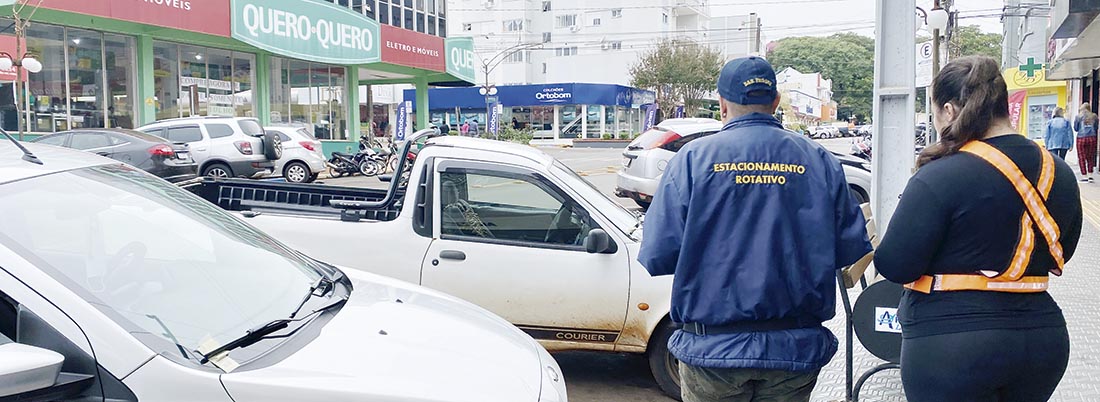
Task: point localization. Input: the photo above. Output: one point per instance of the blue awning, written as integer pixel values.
(537, 95)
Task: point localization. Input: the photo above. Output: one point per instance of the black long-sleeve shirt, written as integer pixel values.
(959, 215)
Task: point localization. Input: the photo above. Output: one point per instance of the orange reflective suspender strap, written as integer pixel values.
(1013, 279)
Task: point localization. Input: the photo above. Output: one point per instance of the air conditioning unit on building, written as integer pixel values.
(575, 28)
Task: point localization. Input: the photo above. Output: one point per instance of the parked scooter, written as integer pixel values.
(862, 147)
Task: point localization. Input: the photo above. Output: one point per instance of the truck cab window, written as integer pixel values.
(509, 208)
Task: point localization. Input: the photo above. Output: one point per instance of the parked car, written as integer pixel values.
(223, 146)
(153, 154)
(645, 160)
(502, 225)
(179, 300)
(302, 158)
(646, 157)
(857, 172)
(824, 132)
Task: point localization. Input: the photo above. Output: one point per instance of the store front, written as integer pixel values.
(290, 62)
(1032, 100)
(555, 112)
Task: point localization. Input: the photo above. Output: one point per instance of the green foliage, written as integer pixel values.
(606, 137)
(624, 136)
(845, 58)
(679, 71)
(522, 136)
(971, 41)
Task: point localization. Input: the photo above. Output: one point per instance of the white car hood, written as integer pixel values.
(427, 347)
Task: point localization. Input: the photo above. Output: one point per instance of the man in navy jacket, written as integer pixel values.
(753, 222)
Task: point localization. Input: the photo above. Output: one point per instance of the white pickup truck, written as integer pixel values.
(504, 226)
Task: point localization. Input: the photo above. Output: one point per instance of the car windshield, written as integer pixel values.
(613, 211)
(153, 257)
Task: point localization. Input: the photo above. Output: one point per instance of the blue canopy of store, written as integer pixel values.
(537, 95)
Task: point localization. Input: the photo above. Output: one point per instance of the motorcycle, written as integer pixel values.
(341, 164)
(862, 147)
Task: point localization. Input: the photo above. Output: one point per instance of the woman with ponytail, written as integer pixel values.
(983, 223)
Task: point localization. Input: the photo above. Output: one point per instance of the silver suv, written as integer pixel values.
(223, 146)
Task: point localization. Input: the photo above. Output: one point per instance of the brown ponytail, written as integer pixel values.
(975, 87)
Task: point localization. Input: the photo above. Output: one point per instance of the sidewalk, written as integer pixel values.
(1074, 293)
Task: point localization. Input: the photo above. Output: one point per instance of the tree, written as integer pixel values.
(971, 41)
(847, 59)
(680, 71)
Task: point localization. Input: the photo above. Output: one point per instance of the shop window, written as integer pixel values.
(311, 95)
(242, 84)
(119, 59)
(86, 79)
(219, 85)
(47, 110)
(193, 81)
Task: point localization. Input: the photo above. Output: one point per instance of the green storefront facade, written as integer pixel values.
(125, 63)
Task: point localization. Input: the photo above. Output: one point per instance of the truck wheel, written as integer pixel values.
(218, 170)
(665, 367)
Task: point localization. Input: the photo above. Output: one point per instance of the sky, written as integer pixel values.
(784, 18)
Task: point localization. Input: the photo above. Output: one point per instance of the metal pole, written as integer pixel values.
(935, 45)
(19, 91)
(894, 98)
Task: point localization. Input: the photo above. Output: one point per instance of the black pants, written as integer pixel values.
(1061, 153)
(1019, 365)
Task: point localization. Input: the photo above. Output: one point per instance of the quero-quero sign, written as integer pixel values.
(316, 31)
(460, 58)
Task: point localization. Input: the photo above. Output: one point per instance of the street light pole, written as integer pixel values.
(27, 60)
(487, 67)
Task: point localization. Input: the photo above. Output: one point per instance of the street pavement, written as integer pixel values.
(601, 377)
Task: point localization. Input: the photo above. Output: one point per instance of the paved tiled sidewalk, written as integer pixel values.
(1075, 293)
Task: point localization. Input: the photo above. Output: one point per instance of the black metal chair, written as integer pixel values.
(873, 317)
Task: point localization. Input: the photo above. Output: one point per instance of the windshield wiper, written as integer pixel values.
(264, 331)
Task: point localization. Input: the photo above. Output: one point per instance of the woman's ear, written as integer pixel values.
(950, 111)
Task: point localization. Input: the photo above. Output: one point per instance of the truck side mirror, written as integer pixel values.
(27, 369)
(599, 242)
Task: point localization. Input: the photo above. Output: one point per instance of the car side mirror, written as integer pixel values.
(27, 369)
(599, 242)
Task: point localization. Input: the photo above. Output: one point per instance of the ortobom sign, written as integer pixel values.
(315, 31)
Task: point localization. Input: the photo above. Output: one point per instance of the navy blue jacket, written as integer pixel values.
(753, 222)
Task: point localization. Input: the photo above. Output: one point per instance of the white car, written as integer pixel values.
(117, 285)
(502, 225)
(223, 146)
(302, 158)
(646, 158)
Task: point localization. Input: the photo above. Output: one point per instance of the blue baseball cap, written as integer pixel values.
(748, 81)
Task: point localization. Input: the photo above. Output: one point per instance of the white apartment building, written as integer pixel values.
(573, 40)
(737, 35)
(811, 96)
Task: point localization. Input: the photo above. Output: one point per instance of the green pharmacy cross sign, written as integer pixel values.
(308, 30)
(1031, 67)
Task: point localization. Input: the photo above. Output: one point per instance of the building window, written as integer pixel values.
(565, 21)
(383, 12)
(516, 57)
(616, 13)
(664, 17)
(431, 25)
(420, 26)
(546, 37)
(595, 22)
(467, 27)
(513, 26)
(544, 68)
(409, 20)
(198, 81)
(546, 6)
(312, 94)
(616, 45)
(395, 15)
(566, 51)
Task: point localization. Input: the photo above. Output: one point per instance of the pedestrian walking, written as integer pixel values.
(979, 227)
(1085, 125)
(464, 129)
(1058, 136)
(752, 223)
(474, 128)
